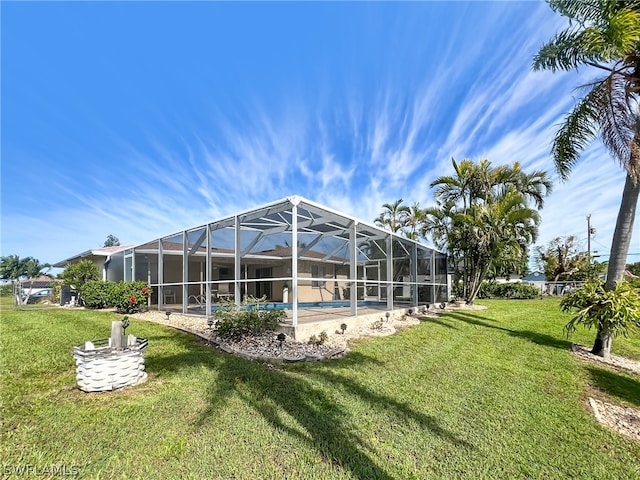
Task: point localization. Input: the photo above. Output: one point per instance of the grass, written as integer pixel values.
(473, 394)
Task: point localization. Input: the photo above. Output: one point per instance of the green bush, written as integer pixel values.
(96, 293)
(129, 297)
(6, 290)
(236, 321)
(616, 311)
(514, 290)
(126, 297)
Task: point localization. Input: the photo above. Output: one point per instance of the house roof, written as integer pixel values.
(93, 253)
(535, 277)
(38, 282)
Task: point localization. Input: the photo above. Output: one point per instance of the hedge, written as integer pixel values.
(126, 297)
(514, 290)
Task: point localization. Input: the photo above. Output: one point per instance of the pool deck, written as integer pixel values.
(314, 320)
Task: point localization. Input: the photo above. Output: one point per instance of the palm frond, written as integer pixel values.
(617, 119)
(579, 128)
(606, 31)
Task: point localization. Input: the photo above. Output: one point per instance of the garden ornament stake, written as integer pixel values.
(125, 325)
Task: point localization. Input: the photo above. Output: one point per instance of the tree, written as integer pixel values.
(413, 222)
(111, 241)
(560, 258)
(483, 220)
(634, 268)
(77, 274)
(394, 216)
(35, 269)
(605, 35)
(12, 267)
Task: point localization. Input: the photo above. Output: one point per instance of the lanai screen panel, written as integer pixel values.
(266, 239)
(195, 272)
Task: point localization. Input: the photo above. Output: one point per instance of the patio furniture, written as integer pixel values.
(169, 296)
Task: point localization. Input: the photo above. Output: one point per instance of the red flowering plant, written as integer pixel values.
(130, 297)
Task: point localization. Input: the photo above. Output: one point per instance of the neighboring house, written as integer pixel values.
(37, 283)
(537, 279)
(111, 265)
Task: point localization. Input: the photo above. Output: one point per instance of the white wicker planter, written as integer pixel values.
(104, 368)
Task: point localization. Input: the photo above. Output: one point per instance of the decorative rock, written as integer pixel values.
(294, 359)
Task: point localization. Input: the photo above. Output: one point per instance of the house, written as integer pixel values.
(300, 255)
(109, 261)
(537, 279)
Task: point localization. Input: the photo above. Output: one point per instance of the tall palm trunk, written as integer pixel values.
(619, 250)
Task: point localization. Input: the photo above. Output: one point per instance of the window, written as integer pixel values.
(317, 271)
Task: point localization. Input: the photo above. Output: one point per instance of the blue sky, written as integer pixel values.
(141, 119)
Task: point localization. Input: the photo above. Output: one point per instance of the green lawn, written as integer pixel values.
(482, 394)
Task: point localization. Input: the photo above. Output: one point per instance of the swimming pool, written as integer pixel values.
(289, 306)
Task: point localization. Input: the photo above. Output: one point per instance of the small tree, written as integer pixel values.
(561, 258)
(77, 274)
(617, 311)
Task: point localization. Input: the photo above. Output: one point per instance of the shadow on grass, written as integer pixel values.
(535, 337)
(616, 385)
(438, 321)
(305, 395)
(304, 392)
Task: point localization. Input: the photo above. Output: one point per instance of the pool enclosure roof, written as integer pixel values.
(323, 234)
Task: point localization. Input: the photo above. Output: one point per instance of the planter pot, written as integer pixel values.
(101, 368)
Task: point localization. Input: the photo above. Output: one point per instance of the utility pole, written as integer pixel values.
(590, 231)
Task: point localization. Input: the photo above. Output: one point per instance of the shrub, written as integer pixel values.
(616, 311)
(514, 290)
(236, 321)
(96, 293)
(126, 297)
(6, 290)
(77, 274)
(129, 297)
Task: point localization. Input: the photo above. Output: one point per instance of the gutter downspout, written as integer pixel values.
(105, 268)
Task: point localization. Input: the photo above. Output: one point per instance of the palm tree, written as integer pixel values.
(12, 267)
(483, 219)
(33, 270)
(394, 216)
(464, 186)
(413, 222)
(498, 232)
(534, 186)
(605, 35)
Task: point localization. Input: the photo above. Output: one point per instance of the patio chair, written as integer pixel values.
(169, 295)
(224, 291)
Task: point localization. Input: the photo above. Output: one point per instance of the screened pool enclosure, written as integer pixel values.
(298, 254)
